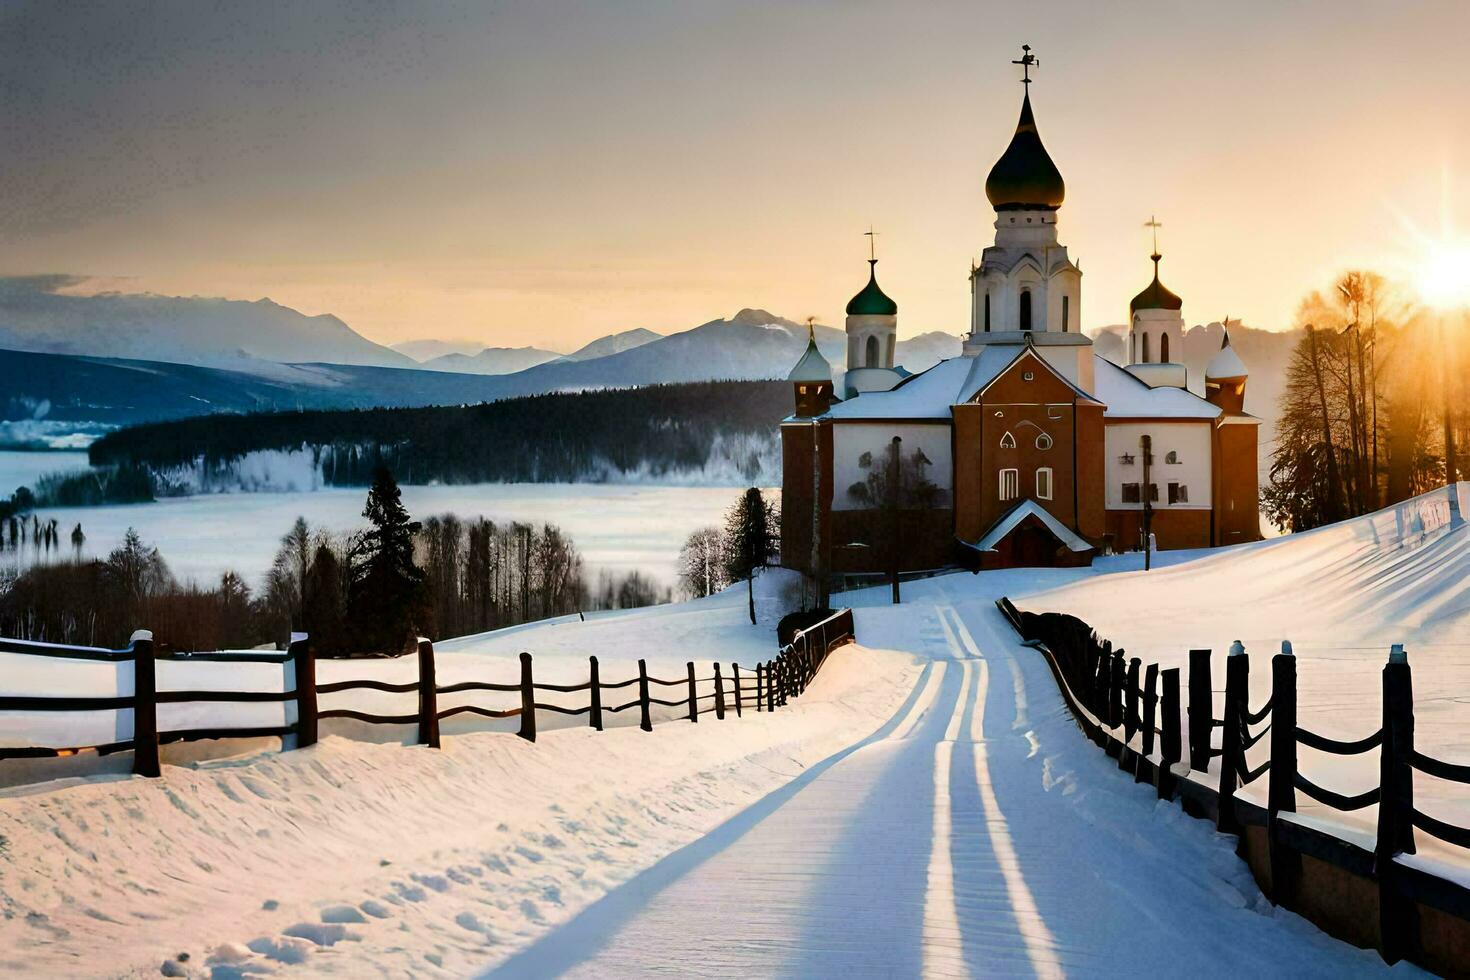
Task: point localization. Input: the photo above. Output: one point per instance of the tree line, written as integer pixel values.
(562, 437)
(1371, 410)
(370, 592)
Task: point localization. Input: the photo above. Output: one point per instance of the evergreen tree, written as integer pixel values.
(322, 605)
(752, 536)
(386, 594)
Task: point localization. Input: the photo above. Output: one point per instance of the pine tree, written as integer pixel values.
(752, 533)
(386, 596)
(322, 612)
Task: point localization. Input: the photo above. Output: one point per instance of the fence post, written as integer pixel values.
(429, 697)
(1150, 715)
(1281, 789)
(1130, 704)
(644, 721)
(303, 666)
(1237, 693)
(739, 694)
(528, 700)
(770, 686)
(693, 694)
(1201, 710)
(594, 715)
(145, 706)
(1170, 749)
(759, 690)
(1100, 682)
(1398, 925)
(719, 694)
(1115, 690)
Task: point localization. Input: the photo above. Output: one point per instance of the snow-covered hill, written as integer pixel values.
(37, 314)
(614, 343)
(427, 350)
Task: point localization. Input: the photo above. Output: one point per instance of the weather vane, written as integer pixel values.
(1154, 223)
(872, 244)
(1027, 61)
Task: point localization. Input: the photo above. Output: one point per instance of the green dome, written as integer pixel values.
(872, 301)
(1156, 296)
(1024, 178)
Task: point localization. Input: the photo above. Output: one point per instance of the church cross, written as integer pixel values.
(1027, 61)
(872, 244)
(1155, 224)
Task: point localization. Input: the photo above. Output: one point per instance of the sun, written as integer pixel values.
(1442, 277)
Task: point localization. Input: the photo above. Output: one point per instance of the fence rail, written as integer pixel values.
(1104, 695)
(762, 687)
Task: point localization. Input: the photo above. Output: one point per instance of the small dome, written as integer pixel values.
(1156, 296)
(1226, 363)
(1024, 178)
(812, 366)
(872, 301)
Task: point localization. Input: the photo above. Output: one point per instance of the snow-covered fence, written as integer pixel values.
(285, 685)
(1367, 896)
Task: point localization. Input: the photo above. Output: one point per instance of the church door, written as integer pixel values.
(1033, 547)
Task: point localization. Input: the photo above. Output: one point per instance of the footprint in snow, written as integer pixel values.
(376, 909)
(321, 933)
(342, 915)
(282, 949)
(436, 882)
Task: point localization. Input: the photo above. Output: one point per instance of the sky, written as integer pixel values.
(547, 172)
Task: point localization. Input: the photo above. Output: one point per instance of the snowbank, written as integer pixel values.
(416, 861)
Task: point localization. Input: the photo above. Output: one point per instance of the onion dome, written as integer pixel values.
(812, 366)
(872, 301)
(1156, 296)
(1226, 363)
(1024, 178)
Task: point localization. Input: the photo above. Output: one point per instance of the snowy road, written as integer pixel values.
(976, 833)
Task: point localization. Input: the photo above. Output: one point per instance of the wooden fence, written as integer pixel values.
(764, 687)
(1136, 714)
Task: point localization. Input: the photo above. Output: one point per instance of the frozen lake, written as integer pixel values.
(615, 526)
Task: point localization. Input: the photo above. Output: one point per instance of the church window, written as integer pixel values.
(1171, 457)
(1010, 484)
(873, 352)
(1025, 309)
(1043, 441)
(1043, 483)
(987, 313)
(1153, 493)
(1066, 311)
(1008, 441)
(1028, 376)
(803, 389)
(1131, 494)
(1145, 348)
(1178, 493)
(1163, 348)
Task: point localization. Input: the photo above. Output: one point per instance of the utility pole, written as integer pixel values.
(1147, 444)
(895, 474)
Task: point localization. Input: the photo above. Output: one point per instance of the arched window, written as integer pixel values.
(873, 352)
(987, 312)
(1008, 441)
(1163, 348)
(1043, 441)
(1171, 457)
(1043, 483)
(1025, 309)
(1010, 484)
(1145, 348)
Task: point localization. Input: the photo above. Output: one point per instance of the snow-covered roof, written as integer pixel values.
(1226, 364)
(1127, 397)
(1017, 514)
(812, 366)
(928, 394)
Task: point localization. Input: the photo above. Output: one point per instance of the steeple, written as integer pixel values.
(1025, 178)
(1156, 296)
(811, 378)
(872, 301)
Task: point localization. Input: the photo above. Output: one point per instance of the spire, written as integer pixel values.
(872, 301)
(1025, 178)
(1156, 296)
(812, 366)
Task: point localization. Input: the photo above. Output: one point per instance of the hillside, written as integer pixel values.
(36, 314)
(492, 360)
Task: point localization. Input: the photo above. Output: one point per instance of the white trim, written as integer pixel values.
(1049, 482)
(1018, 513)
(1015, 483)
(1008, 441)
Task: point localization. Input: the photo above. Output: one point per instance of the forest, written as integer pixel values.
(1373, 407)
(564, 437)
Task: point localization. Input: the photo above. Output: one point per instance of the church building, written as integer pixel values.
(1028, 448)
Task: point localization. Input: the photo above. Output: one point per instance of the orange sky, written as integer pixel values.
(546, 173)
